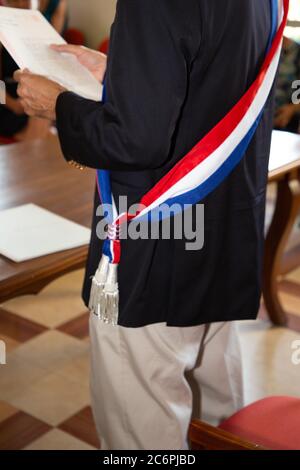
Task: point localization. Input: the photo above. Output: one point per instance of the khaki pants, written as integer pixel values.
(147, 383)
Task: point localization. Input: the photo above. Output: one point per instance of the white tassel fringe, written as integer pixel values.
(98, 284)
(104, 297)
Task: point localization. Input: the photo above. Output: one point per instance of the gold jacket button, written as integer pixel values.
(78, 166)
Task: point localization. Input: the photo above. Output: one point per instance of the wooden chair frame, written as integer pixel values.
(205, 437)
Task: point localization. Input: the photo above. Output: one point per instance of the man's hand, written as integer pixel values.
(284, 115)
(92, 60)
(38, 94)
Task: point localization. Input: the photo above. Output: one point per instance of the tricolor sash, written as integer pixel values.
(196, 175)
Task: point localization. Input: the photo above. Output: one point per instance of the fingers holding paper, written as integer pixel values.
(38, 94)
(92, 60)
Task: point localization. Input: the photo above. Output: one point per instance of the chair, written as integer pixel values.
(7, 140)
(205, 437)
(104, 46)
(74, 36)
(272, 423)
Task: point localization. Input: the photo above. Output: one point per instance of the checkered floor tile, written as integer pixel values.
(44, 386)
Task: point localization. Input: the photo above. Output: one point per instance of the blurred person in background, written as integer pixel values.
(287, 115)
(13, 121)
(55, 11)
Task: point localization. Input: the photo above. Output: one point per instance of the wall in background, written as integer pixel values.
(293, 31)
(93, 17)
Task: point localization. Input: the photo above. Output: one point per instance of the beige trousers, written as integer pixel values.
(147, 383)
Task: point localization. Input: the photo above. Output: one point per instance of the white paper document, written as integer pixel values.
(285, 149)
(27, 35)
(28, 232)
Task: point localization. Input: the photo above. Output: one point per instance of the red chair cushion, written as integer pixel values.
(74, 36)
(7, 140)
(273, 423)
(104, 46)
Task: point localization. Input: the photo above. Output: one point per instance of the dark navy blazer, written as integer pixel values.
(175, 68)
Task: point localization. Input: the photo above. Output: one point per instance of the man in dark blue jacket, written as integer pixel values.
(174, 70)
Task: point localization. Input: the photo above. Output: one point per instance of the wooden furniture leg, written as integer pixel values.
(286, 211)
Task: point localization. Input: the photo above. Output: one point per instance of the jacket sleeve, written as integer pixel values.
(147, 79)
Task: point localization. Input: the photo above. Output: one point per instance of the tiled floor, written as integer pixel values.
(44, 387)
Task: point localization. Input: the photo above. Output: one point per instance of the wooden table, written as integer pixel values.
(37, 173)
(285, 173)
